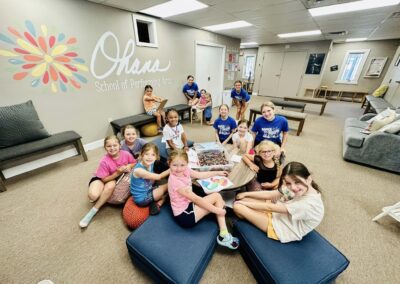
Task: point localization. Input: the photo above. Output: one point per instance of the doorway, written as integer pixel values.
(210, 69)
(282, 73)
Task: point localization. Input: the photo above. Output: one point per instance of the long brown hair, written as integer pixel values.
(295, 170)
(150, 146)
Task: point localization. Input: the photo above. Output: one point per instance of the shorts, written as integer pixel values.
(187, 219)
(148, 199)
(93, 179)
(152, 111)
(270, 229)
(97, 178)
(229, 141)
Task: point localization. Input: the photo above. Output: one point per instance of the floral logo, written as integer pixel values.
(48, 59)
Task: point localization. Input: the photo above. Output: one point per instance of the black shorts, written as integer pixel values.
(187, 218)
(93, 179)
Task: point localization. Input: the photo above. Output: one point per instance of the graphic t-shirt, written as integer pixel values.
(270, 130)
(224, 127)
(241, 96)
(190, 90)
(174, 134)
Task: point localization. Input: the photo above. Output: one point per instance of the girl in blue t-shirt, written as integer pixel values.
(224, 126)
(191, 91)
(270, 127)
(241, 99)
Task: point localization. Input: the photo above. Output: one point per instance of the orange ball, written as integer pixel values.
(133, 215)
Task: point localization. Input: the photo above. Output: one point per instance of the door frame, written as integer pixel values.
(211, 44)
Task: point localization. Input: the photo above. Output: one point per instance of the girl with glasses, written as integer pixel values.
(266, 165)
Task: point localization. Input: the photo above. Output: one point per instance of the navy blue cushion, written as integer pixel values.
(311, 260)
(169, 253)
(162, 148)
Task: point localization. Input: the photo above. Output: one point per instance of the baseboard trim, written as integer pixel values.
(23, 168)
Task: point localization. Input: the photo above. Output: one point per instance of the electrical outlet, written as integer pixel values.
(110, 119)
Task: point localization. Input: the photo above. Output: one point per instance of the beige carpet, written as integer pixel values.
(39, 214)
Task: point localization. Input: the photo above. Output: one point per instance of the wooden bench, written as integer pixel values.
(328, 93)
(139, 120)
(317, 101)
(14, 153)
(290, 115)
(284, 103)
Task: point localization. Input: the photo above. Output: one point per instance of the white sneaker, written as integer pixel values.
(228, 241)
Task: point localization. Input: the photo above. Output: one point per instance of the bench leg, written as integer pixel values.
(2, 182)
(322, 109)
(301, 124)
(367, 108)
(80, 149)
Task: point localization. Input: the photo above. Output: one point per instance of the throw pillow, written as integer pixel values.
(381, 115)
(19, 124)
(379, 123)
(393, 127)
(380, 91)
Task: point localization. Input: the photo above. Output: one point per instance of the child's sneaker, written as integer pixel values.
(228, 241)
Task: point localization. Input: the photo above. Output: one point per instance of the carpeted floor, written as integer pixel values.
(39, 214)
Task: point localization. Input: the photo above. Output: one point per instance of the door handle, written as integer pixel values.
(277, 75)
(209, 78)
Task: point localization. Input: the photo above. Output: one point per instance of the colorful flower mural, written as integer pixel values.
(48, 59)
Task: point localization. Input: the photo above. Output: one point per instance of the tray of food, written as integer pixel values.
(209, 158)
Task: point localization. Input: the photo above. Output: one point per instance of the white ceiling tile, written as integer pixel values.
(270, 17)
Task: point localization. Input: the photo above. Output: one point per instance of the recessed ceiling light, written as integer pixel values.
(351, 7)
(298, 34)
(174, 7)
(248, 43)
(356, 39)
(228, 26)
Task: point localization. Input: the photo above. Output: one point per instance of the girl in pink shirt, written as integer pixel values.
(102, 185)
(189, 208)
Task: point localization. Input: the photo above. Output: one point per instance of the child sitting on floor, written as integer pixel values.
(189, 208)
(143, 191)
(173, 133)
(132, 143)
(224, 126)
(291, 217)
(102, 185)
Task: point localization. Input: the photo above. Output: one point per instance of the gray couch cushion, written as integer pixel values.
(19, 124)
(47, 143)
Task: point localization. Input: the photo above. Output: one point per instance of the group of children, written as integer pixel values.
(284, 202)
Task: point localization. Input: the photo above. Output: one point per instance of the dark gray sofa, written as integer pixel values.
(378, 149)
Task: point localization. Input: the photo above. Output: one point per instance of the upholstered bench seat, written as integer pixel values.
(283, 104)
(169, 253)
(311, 260)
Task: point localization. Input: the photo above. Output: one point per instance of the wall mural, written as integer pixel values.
(46, 59)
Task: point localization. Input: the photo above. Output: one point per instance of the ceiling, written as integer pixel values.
(271, 17)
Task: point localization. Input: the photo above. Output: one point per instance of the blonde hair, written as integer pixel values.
(266, 144)
(208, 97)
(150, 146)
(179, 153)
(268, 104)
(110, 137)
